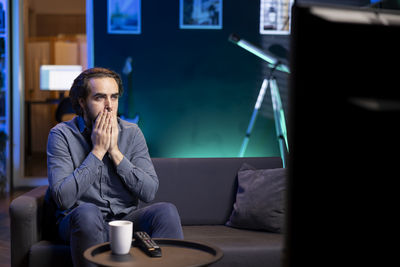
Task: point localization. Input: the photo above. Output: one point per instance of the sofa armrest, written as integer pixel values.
(25, 224)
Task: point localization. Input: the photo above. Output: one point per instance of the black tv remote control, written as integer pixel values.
(144, 241)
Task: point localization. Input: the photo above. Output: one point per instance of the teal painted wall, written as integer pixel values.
(194, 90)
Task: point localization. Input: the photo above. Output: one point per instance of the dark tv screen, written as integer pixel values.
(343, 131)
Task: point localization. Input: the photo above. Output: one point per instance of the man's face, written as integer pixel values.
(103, 95)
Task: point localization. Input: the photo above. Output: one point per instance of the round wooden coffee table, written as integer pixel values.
(175, 253)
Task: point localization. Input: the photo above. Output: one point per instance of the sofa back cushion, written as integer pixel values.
(203, 189)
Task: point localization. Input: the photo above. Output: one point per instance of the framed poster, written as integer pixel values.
(124, 17)
(275, 16)
(200, 14)
(2, 15)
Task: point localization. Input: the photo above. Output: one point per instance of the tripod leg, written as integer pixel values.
(257, 106)
(279, 118)
(282, 151)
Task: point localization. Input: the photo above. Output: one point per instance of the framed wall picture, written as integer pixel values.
(275, 16)
(200, 14)
(124, 17)
(2, 15)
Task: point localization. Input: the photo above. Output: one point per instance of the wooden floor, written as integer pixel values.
(5, 200)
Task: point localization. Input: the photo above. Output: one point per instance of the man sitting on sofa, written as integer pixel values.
(99, 168)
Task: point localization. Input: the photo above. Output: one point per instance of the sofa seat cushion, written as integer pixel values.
(240, 247)
(47, 253)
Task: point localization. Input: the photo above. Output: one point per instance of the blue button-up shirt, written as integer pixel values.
(77, 176)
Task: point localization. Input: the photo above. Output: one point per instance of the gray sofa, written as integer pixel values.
(203, 190)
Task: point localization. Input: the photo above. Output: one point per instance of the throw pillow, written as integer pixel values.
(260, 199)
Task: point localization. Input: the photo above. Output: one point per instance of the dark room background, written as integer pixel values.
(194, 91)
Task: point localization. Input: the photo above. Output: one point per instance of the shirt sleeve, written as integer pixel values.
(137, 171)
(68, 183)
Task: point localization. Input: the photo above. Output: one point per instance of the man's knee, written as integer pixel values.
(165, 210)
(166, 221)
(87, 217)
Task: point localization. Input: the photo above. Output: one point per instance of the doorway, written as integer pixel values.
(54, 34)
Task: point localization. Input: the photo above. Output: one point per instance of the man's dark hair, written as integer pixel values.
(80, 87)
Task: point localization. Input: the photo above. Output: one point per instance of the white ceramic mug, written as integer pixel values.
(120, 236)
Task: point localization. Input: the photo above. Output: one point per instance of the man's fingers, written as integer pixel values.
(106, 120)
(109, 122)
(103, 123)
(98, 123)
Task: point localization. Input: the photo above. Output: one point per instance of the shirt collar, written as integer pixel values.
(81, 124)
